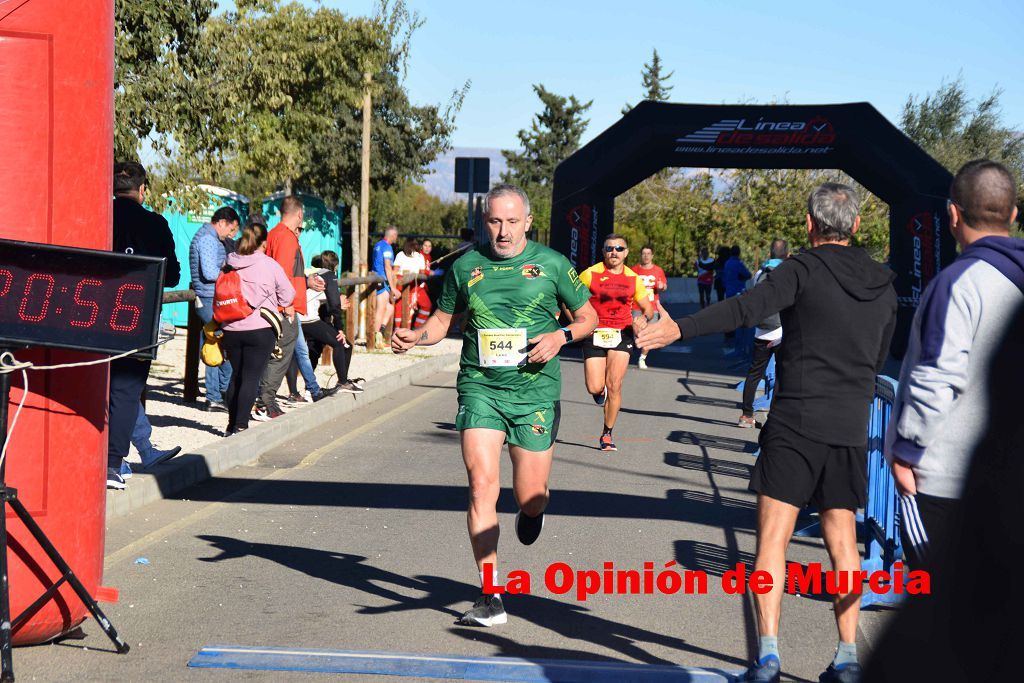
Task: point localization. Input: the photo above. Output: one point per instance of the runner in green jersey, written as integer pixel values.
(509, 382)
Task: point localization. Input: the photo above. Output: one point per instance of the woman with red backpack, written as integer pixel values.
(256, 282)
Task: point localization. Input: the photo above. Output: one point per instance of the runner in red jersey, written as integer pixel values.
(614, 289)
(655, 281)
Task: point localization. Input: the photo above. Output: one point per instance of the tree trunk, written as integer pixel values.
(364, 184)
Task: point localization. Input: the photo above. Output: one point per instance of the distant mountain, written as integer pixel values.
(440, 179)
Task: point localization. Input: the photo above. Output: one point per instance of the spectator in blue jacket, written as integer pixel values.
(206, 256)
(734, 274)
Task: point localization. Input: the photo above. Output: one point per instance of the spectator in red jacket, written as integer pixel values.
(283, 246)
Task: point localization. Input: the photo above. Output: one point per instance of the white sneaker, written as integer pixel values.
(642, 363)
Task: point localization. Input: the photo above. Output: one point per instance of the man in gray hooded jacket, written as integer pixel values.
(941, 406)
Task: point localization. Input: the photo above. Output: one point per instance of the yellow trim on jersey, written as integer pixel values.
(587, 275)
(639, 293)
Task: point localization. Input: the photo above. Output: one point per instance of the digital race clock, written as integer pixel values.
(79, 298)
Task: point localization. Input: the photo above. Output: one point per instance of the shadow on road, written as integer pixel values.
(697, 463)
(709, 401)
(712, 441)
(681, 505)
(569, 620)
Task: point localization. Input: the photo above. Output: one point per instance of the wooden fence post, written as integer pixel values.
(352, 315)
(371, 334)
(192, 343)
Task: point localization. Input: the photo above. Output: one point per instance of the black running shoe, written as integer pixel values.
(487, 611)
(768, 671)
(528, 528)
(116, 482)
(850, 673)
(600, 399)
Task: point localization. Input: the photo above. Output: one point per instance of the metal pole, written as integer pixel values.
(469, 203)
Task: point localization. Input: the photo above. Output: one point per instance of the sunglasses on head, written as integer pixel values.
(611, 248)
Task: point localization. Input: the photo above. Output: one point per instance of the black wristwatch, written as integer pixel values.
(568, 335)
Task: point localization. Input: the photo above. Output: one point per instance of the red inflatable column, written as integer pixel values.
(56, 131)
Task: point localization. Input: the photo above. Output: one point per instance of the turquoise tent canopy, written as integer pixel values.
(321, 230)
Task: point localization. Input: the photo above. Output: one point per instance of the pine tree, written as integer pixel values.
(653, 81)
(554, 134)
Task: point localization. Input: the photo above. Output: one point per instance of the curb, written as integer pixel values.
(242, 449)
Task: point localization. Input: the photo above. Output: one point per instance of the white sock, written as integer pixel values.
(494, 578)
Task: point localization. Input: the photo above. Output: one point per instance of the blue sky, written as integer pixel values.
(803, 52)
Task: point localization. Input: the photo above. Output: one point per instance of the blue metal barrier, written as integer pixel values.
(882, 512)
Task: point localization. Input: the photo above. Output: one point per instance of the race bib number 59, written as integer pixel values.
(502, 348)
(607, 337)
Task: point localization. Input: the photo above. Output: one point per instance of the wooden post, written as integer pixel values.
(390, 328)
(192, 338)
(352, 315)
(408, 296)
(364, 191)
(355, 250)
(371, 336)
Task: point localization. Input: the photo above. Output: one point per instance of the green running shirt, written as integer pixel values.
(524, 291)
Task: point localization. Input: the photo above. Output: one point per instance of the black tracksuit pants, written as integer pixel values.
(249, 353)
(758, 364)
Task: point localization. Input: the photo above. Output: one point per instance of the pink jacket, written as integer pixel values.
(264, 284)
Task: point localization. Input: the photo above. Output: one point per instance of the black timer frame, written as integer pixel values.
(82, 262)
(47, 261)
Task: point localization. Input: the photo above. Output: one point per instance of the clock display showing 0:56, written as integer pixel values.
(80, 302)
(78, 298)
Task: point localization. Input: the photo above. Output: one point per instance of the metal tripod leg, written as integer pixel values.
(66, 573)
(9, 496)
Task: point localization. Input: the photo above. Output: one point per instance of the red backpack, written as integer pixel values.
(229, 304)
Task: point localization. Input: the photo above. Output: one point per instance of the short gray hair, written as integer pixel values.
(834, 208)
(503, 190)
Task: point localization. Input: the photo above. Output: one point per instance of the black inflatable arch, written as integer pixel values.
(854, 138)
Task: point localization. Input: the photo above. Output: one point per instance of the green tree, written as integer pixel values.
(679, 212)
(277, 102)
(954, 129)
(553, 135)
(411, 208)
(155, 53)
(654, 82)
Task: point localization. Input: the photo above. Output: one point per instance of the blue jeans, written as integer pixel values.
(305, 366)
(218, 378)
(141, 433)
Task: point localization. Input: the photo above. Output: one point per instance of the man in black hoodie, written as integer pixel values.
(136, 230)
(838, 308)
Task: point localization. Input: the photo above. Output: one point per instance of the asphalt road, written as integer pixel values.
(353, 537)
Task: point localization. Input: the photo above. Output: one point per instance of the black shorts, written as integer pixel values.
(799, 471)
(592, 351)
